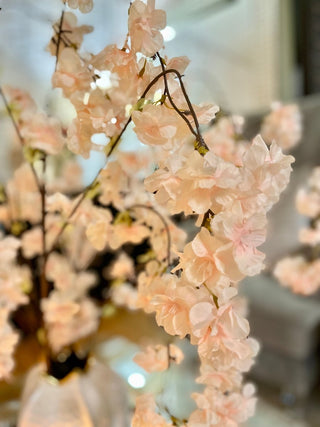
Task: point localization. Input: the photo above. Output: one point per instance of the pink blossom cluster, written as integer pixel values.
(38, 130)
(188, 167)
(231, 202)
(284, 125)
(85, 6)
(301, 273)
(14, 280)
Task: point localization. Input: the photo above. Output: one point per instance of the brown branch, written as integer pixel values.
(167, 92)
(44, 257)
(59, 39)
(192, 112)
(44, 286)
(20, 137)
(67, 43)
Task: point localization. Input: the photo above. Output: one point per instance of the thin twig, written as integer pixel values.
(43, 281)
(67, 43)
(192, 112)
(44, 286)
(20, 137)
(59, 39)
(167, 92)
(15, 125)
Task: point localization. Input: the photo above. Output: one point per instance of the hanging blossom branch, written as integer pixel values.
(211, 265)
(222, 187)
(114, 142)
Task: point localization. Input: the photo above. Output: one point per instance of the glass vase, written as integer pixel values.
(95, 397)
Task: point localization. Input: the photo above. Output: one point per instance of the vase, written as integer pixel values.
(95, 397)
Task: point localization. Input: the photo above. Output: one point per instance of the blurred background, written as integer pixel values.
(244, 54)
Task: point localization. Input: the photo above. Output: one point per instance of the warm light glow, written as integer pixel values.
(104, 82)
(136, 380)
(168, 33)
(86, 97)
(158, 95)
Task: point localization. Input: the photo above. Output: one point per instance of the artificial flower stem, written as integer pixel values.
(59, 39)
(16, 127)
(167, 93)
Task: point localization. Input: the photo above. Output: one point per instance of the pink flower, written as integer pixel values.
(175, 354)
(296, 273)
(8, 248)
(73, 33)
(58, 202)
(79, 135)
(310, 236)
(69, 179)
(72, 74)
(99, 230)
(308, 203)
(113, 182)
(159, 125)
(166, 185)
(265, 174)
(68, 321)
(223, 379)
(58, 308)
(84, 6)
(153, 359)
(217, 409)
(194, 186)
(206, 259)
(122, 268)
(32, 242)
(124, 294)
(14, 281)
(205, 113)
(203, 179)
(172, 300)
(127, 233)
(23, 196)
(146, 413)
(314, 180)
(282, 125)
(21, 104)
(246, 232)
(225, 350)
(8, 340)
(220, 138)
(147, 280)
(59, 271)
(44, 133)
(158, 357)
(144, 24)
